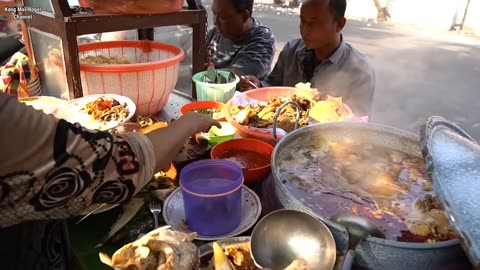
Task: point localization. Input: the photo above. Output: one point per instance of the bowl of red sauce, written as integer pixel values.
(253, 156)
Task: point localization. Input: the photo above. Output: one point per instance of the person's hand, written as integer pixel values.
(200, 122)
(247, 82)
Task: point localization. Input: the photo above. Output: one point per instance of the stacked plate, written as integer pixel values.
(34, 88)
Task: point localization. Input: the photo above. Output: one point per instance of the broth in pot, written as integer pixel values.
(391, 188)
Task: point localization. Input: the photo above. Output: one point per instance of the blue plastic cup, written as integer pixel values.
(212, 196)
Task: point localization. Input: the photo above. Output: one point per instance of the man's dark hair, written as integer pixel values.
(242, 5)
(337, 7)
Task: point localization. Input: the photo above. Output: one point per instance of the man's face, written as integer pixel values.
(318, 26)
(227, 20)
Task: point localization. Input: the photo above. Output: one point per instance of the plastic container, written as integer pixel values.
(198, 105)
(212, 196)
(216, 92)
(265, 94)
(148, 81)
(133, 6)
(251, 175)
(215, 135)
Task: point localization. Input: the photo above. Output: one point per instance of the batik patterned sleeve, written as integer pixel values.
(52, 169)
(255, 57)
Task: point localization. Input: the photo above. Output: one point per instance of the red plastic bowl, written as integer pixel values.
(251, 176)
(198, 105)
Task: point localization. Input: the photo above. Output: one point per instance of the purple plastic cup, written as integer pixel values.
(212, 196)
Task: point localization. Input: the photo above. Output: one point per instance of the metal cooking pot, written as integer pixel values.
(373, 253)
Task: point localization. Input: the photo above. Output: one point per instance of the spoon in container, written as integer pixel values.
(358, 229)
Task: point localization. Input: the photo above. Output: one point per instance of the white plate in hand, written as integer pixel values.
(75, 112)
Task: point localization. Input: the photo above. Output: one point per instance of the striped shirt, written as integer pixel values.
(252, 54)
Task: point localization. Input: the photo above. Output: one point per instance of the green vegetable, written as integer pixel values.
(214, 113)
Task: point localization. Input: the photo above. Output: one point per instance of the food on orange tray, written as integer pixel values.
(160, 249)
(313, 105)
(100, 59)
(107, 109)
(261, 116)
(388, 186)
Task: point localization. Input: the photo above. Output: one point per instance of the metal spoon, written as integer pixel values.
(249, 82)
(358, 229)
(286, 235)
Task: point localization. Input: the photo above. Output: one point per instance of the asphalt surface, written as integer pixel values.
(419, 72)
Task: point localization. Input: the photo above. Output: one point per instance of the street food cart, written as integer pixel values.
(292, 149)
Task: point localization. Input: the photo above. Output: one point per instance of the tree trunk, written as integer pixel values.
(381, 17)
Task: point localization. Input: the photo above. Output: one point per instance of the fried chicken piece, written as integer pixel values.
(235, 109)
(268, 109)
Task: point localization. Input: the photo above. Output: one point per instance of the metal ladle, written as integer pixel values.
(286, 235)
(358, 229)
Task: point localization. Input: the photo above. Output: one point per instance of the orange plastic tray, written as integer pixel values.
(263, 94)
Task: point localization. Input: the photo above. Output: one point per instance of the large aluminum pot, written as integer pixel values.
(374, 253)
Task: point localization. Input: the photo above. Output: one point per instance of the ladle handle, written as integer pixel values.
(348, 260)
(277, 114)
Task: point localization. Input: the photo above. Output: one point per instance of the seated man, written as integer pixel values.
(238, 42)
(323, 58)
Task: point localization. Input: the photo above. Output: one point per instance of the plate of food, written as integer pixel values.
(101, 112)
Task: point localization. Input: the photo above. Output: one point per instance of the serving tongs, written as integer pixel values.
(277, 114)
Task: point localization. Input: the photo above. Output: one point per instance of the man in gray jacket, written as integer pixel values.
(323, 58)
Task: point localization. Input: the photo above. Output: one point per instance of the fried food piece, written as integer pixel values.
(243, 117)
(268, 109)
(325, 111)
(220, 260)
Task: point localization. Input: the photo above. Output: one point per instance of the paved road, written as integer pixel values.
(419, 72)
